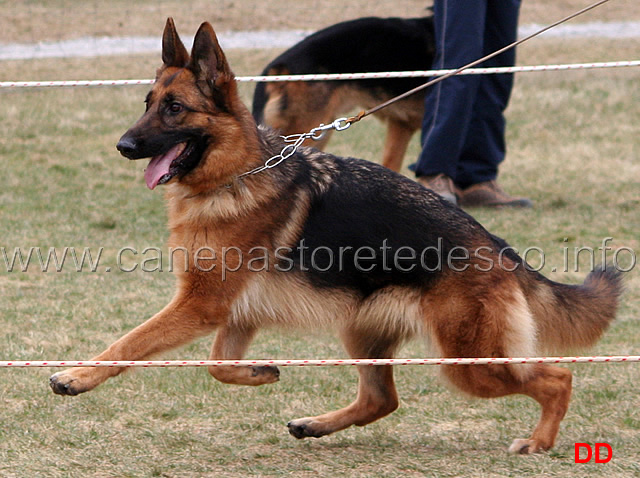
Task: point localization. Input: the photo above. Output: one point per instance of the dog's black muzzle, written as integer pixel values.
(133, 145)
(128, 147)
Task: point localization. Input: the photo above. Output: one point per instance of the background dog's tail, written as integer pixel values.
(259, 101)
(571, 317)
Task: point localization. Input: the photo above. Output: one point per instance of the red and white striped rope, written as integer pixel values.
(320, 363)
(337, 76)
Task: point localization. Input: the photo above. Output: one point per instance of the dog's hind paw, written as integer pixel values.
(522, 446)
(266, 373)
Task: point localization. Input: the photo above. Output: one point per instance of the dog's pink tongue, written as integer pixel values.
(159, 166)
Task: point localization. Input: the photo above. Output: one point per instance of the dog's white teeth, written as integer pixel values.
(164, 179)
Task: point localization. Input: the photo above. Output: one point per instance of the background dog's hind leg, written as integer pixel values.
(231, 343)
(377, 396)
(398, 136)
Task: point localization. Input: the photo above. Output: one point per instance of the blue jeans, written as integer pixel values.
(463, 126)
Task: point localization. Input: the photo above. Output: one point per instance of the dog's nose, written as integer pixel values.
(127, 146)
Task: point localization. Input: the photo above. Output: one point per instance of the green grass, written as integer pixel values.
(52, 20)
(573, 149)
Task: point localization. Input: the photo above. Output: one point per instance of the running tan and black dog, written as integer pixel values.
(364, 45)
(325, 242)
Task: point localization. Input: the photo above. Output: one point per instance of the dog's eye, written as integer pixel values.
(175, 108)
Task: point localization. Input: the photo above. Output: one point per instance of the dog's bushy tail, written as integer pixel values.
(572, 317)
(259, 101)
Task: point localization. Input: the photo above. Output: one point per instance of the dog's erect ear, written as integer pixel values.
(173, 51)
(208, 62)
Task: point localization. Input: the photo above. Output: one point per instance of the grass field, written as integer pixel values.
(64, 19)
(573, 148)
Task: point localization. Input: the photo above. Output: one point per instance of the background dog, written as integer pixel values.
(363, 45)
(325, 242)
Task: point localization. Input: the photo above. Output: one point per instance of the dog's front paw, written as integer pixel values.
(75, 380)
(305, 428)
(254, 376)
(62, 384)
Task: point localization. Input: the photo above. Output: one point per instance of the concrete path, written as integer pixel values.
(100, 46)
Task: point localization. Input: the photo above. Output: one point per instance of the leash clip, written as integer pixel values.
(318, 132)
(338, 126)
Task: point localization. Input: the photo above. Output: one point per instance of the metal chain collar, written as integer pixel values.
(295, 140)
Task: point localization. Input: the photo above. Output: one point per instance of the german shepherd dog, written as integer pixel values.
(363, 45)
(345, 244)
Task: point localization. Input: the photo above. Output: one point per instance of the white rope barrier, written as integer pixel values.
(429, 73)
(44, 84)
(338, 76)
(321, 363)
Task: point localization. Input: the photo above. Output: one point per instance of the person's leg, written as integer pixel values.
(459, 30)
(484, 148)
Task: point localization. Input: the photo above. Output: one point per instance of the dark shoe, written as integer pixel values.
(489, 194)
(441, 185)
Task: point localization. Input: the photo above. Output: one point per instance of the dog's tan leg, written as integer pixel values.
(321, 105)
(178, 323)
(297, 107)
(377, 396)
(398, 136)
(231, 344)
(549, 386)
(495, 321)
(313, 104)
